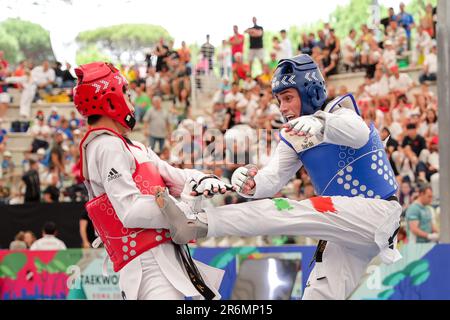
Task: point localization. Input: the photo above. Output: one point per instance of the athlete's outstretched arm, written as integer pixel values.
(282, 166)
(176, 178)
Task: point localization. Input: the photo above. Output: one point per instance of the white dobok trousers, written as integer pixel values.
(357, 229)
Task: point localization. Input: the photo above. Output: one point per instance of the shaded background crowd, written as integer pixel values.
(222, 100)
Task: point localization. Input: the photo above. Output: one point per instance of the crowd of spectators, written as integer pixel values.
(49, 241)
(397, 38)
(50, 169)
(240, 125)
(403, 109)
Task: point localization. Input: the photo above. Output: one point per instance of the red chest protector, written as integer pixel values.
(123, 244)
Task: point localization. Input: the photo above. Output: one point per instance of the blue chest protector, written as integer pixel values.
(337, 170)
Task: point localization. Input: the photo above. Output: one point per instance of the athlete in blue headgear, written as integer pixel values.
(356, 213)
(301, 73)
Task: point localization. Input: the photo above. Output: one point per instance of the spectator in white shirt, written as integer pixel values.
(402, 111)
(28, 92)
(286, 46)
(397, 35)
(379, 90)
(429, 66)
(266, 113)
(248, 105)
(420, 105)
(405, 161)
(41, 133)
(399, 83)
(424, 41)
(43, 76)
(349, 50)
(389, 55)
(430, 97)
(234, 96)
(233, 100)
(18, 243)
(428, 127)
(49, 241)
(371, 114)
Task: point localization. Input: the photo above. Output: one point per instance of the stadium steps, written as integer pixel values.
(17, 154)
(64, 109)
(201, 101)
(19, 140)
(353, 80)
(15, 95)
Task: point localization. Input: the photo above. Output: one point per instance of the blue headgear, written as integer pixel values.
(302, 74)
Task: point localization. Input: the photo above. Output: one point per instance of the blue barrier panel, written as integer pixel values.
(423, 273)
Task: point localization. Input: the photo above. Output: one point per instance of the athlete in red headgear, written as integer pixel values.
(122, 176)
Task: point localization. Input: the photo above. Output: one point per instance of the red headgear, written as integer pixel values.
(101, 91)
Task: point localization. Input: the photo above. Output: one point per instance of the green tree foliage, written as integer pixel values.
(124, 37)
(33, 41)
(90, 54)
(417, 8)
(295, 32)
(9, 46)
(353, 15)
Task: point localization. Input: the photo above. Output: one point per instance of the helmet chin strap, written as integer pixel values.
(130, 120)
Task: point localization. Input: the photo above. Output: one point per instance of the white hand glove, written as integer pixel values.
(243, 179)
(209, 185)
(306, 125)
(433, 237)
(194, 202)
